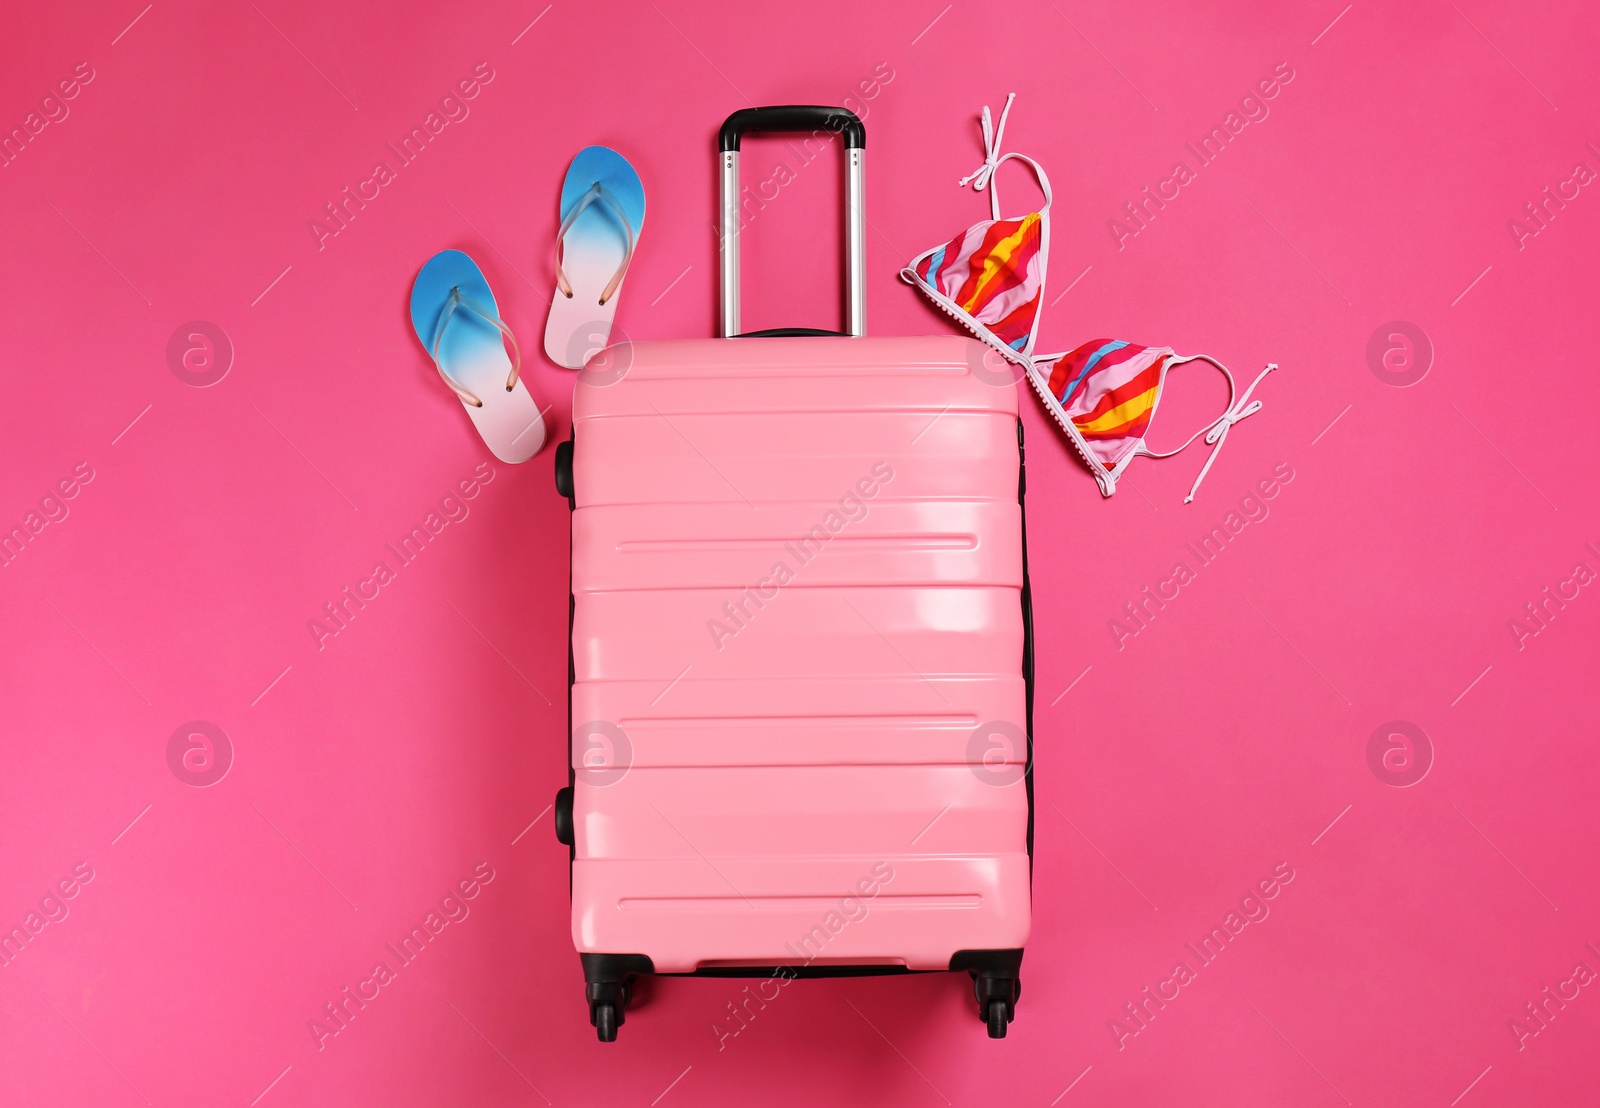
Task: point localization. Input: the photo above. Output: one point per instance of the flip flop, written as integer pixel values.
(602, 212)
(458, 323)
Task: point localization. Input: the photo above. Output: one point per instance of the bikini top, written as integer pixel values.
(1104, 393)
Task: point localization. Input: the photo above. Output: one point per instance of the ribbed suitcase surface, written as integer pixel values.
(797, 647)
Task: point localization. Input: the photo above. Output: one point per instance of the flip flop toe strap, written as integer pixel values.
(596, 192)
(454, 301)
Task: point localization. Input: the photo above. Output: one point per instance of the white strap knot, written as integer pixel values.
(1241, 408)
(979, 178)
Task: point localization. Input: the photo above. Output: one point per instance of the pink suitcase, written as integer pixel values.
(801, 662)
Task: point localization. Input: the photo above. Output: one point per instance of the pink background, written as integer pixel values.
(1228, 736)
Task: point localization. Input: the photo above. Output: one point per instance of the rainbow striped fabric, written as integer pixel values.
(993, 271)
(1108, 389)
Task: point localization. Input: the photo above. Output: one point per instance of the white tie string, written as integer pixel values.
(992, 137)
(1218, 434)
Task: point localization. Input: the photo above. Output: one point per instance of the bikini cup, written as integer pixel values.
(1103, 394)
(990, 277)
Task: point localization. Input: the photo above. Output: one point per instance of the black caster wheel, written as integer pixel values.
(563, 817)
(997, 1019)
(605, 1023)
(563, 468)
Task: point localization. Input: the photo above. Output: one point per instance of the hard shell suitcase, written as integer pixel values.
(801, 649)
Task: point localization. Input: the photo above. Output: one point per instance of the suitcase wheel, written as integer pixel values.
(563, 468)
(608, 985)
(997, 1002)
(604, 1018)
(997, 1019)
(995, 985)
(563, 816)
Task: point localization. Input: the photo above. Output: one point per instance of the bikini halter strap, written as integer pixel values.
(983, 177)
(1239, 407)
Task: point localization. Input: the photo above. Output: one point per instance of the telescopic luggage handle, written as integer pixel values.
(795, 117)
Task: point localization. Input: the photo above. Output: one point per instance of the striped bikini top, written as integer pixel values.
(1103, 394)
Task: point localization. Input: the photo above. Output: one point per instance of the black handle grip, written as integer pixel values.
(793, 117)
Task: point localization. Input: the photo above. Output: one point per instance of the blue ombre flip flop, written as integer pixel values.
(602, 212)
(458, 322)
